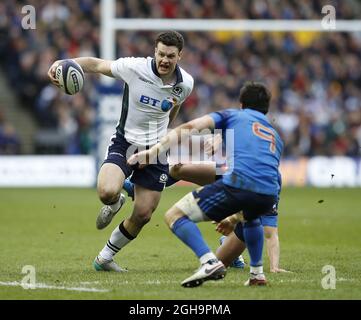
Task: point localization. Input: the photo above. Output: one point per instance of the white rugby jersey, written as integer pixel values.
(147, 102)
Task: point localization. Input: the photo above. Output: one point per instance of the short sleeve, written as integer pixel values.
(220, 118)
(188, 87)
(124, 68)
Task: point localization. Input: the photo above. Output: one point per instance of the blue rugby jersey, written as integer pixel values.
(254, 157)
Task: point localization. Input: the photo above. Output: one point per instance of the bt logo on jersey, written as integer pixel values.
(166, 104)
(148, 100)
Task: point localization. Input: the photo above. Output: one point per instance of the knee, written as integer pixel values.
(270, 232)
(108, 195)
(142, 216)
(168, 218)
(143, 220)
(171, 216)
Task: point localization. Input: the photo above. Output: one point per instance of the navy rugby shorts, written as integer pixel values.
(153, 177)
(270, 219)
(218, 201)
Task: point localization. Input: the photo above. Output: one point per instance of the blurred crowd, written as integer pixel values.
(234, 9)
(315, 79)
(9, 141)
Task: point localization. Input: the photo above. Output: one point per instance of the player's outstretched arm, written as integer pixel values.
(88, 64)
(173, 137)
(273, 249)
(95, 65)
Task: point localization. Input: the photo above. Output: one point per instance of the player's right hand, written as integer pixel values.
(225, 227)
(51, 73)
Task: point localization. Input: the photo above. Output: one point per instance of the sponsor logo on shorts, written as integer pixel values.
(163, 178)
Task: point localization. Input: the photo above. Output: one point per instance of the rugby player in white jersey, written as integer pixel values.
(154, 90)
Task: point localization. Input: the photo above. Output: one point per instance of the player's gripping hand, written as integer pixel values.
(212, 144)
(143, 158)
(225, 227)
(51, 72)
(137, 158)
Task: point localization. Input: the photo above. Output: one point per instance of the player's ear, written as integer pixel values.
(180, 55)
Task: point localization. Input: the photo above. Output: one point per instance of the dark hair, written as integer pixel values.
(255, 95)
(170, 38)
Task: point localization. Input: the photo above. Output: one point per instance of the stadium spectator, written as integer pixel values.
(9, 140)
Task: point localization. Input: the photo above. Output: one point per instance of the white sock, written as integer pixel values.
(256, 270)
(206, 257)
(118, 239)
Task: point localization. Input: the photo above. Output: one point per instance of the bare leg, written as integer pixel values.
(200, 174)
(110, 182)
(181, 219)
(172, 215)
(145, 204)
(146, 201)
(231, 248)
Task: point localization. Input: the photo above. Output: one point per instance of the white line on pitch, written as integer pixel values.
(46, 286)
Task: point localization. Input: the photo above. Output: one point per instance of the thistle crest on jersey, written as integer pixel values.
(177, 91)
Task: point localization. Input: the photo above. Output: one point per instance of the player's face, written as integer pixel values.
(166, 58)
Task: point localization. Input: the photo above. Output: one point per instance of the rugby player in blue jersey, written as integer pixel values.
(250, 184)
(203, 174)
(230, 251)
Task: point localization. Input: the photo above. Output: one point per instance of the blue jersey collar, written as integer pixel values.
(256, 113)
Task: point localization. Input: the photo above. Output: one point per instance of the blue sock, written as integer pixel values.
(128, 186)
(253, 236)
(187, 231)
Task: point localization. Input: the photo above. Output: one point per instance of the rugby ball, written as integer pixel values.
(70, 76)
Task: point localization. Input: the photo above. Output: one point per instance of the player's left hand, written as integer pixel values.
(212, 144)
(144, 158)
(141, 157)
(51, 73)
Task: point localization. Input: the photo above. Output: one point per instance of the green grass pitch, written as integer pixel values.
(54, 231)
